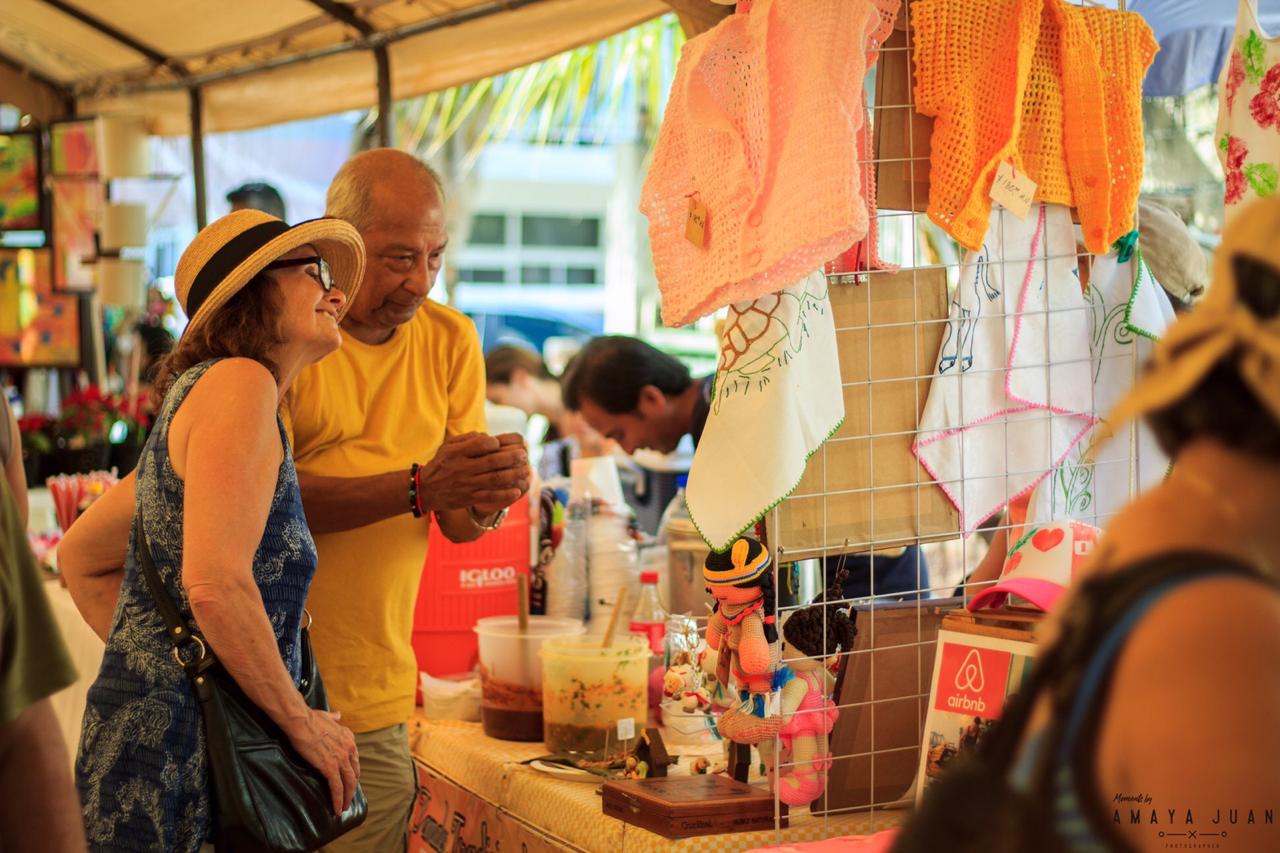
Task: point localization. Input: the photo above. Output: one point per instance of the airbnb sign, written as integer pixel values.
(971, 680)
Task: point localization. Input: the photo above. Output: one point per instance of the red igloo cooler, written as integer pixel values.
(464, 582)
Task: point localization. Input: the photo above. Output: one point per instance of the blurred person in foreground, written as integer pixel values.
(639, 396)
(389, 436)
(38, 805)
(222, 516)
(517, 376)
(1176, 714)
(11, 459)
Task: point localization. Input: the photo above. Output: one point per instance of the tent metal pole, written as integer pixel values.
(197, 156)
(386, 121)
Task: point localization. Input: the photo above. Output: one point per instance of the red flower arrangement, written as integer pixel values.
(37, 432)
(88, 416)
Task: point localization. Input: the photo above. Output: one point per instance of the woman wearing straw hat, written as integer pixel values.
(221, 514)
(1162, 676)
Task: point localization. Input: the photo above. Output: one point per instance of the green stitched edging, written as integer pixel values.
(767, 509)
(1133, 297)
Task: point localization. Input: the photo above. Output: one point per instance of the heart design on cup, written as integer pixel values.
(1047, 540)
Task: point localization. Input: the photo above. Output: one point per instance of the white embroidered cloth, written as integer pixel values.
(1128, 312)
(777, 397)
(1012, 390)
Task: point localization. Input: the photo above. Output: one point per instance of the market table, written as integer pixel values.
(477, 789)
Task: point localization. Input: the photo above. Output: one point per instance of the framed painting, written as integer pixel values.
(20, 201)
(38, 328)
(77, 213)
(73, 148)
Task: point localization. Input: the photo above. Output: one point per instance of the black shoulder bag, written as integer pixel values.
(974, 806)
(266, 797)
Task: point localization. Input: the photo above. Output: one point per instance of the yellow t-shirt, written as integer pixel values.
(368, 410)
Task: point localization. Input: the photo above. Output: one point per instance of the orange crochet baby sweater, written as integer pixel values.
(1053, 88)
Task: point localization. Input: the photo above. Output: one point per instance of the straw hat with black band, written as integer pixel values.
(230, 251)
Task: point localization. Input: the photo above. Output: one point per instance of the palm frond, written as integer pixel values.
(558, 99)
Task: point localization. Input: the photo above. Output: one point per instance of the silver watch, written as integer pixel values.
(493, 525)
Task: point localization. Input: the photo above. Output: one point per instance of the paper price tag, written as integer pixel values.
(1013, 190)
(695, 227)
(626, 728)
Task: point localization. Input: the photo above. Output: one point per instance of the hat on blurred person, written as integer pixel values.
(229, 252)
(1040, 565)
(1175, 258)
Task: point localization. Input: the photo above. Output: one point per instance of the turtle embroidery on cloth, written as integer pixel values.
(764, 335)
(777, 398)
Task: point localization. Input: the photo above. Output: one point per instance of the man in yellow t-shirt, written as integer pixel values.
(406, 387)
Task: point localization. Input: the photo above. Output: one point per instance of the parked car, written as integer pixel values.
(531, 328)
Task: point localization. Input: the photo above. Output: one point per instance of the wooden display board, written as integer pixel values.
(883, 701)
(900, 136)
(864, 488)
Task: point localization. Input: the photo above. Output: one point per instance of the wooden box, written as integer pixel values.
(864, 488)
(686, 806)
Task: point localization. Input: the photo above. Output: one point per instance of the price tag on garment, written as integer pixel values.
(695, 227)
(1013, 190)
(626, 728)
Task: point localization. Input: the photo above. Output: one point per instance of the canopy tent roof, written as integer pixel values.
(260, 62)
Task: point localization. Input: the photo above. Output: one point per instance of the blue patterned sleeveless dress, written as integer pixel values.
(141, 767)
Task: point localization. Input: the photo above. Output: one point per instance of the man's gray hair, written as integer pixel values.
(351, 194)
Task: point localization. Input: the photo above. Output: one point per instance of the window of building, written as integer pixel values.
(488, 229)
(583, 231)
(532, 249)
(481, 275)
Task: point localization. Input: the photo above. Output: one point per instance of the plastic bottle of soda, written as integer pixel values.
(649, 619)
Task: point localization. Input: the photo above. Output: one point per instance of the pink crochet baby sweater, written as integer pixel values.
(761, 129)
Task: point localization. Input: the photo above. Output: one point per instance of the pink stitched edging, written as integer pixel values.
(1017, 331)
(953, 431)
(1091, 420)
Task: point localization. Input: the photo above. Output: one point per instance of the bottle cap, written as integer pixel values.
(648, 577)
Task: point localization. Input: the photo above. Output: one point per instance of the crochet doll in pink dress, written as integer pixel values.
(818, 633)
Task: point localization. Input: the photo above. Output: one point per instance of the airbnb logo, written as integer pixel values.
(969, 676)
(972, 680)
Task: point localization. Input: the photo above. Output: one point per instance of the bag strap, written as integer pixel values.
(1081, 710)
(1102, 603)
(176, 626)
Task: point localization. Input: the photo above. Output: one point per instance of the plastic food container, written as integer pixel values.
(511, 673)
(587, 691)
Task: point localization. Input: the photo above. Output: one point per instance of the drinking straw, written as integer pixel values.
(522, 594)
(613, 618)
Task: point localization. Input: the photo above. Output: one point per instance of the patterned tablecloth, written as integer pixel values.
(570, 812)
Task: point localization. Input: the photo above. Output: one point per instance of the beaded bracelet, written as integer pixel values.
(415, 502)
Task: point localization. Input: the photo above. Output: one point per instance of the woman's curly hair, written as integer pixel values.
(247, 326)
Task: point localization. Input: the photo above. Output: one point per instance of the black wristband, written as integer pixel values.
(415, 506)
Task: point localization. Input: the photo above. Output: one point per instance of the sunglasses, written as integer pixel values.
(325, 279)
